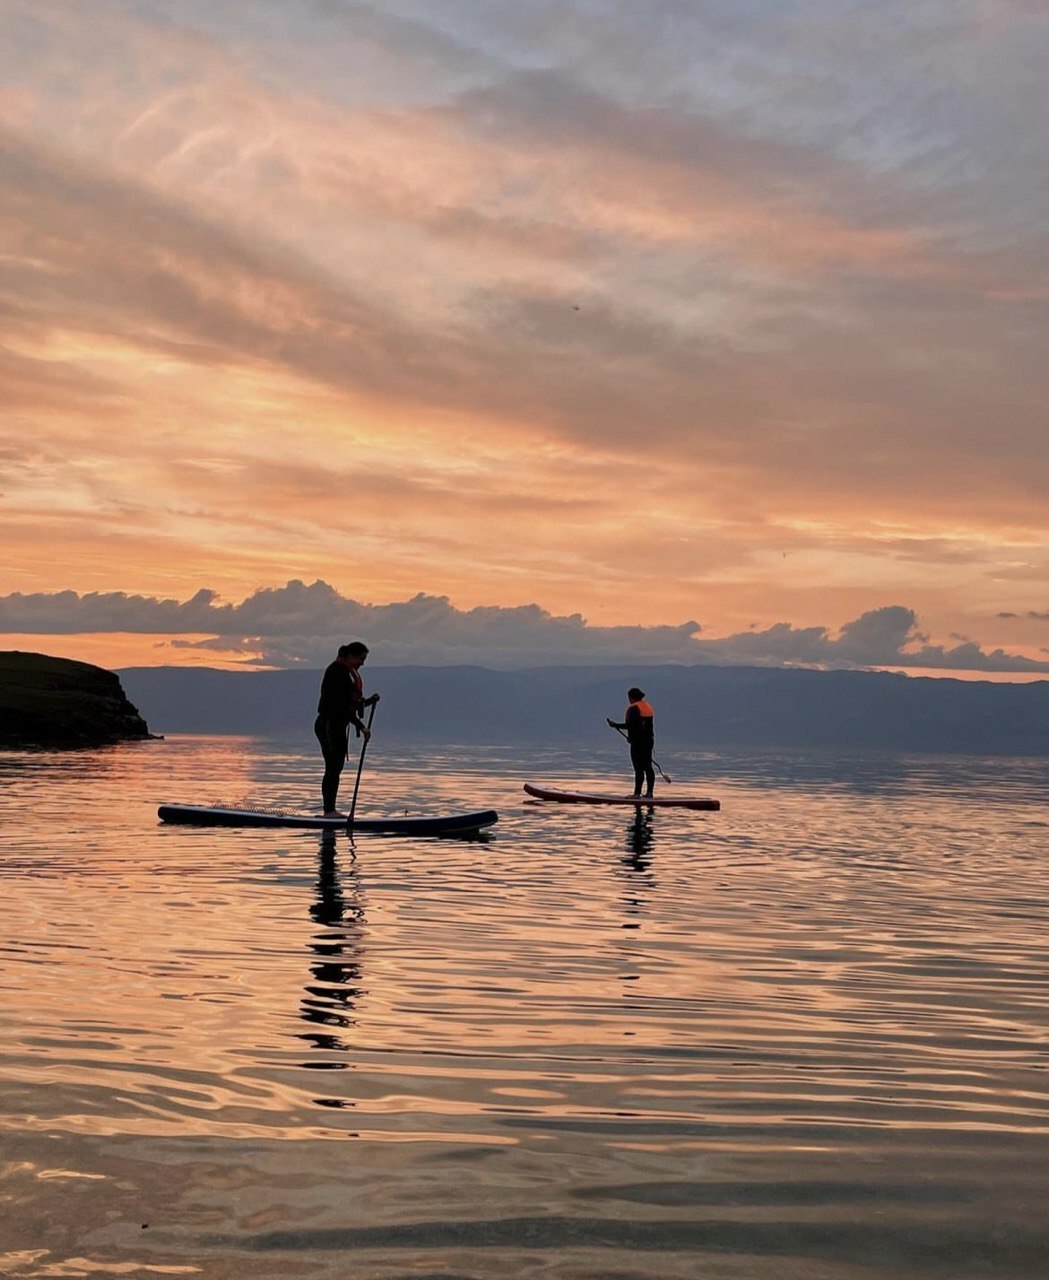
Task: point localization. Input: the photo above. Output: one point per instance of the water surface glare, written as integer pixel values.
(802, 1037)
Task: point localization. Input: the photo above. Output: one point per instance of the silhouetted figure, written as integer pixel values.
(341, 703)
(641, 736)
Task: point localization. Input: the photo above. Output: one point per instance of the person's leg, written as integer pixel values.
(334, 759)
(650, 775)
(330, 783)
(332, 738)
(637, 759)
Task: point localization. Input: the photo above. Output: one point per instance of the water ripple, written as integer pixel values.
(804, 1036)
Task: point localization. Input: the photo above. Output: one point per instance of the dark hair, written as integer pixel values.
(635, 693)
(354, 650)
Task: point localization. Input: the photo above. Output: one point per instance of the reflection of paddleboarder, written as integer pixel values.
(641, 736)
(341, 702)
(333, 988)
(639, 840)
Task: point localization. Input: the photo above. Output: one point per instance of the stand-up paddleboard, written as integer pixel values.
(584, 797)
(200, 815)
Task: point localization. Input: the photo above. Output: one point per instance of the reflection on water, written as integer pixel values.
(639, 839)
(800, 1037)
(638, 879)
(335, 968)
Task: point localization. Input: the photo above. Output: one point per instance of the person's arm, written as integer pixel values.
(612, 724)
(356, 704)
(355, 719)
(362, 728)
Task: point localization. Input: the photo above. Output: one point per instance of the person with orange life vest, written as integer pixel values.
(341, 702)
(641, 736)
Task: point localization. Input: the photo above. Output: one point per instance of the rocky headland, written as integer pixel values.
(58, 703)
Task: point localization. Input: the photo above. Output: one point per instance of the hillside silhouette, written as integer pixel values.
(695, 705)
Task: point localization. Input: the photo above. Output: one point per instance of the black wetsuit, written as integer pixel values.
(339, 706)
(641, 736)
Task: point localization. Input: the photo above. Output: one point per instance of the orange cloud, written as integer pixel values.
(511, 335)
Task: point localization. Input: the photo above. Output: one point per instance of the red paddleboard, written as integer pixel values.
(585, 797)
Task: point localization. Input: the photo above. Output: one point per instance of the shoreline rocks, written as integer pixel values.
(58, 703)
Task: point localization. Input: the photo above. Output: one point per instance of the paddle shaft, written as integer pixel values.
(665, 776)
(360, 769)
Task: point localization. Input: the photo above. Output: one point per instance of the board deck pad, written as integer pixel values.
(200, 815)
(657, 802)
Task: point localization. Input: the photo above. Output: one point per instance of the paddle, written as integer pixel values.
(659, 768)
(360, 767)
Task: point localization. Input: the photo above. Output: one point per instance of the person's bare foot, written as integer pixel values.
(333, 813)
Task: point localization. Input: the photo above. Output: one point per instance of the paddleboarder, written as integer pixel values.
(341, 702)
(641, 736)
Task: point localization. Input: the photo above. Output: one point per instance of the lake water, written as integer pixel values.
(802, 1037)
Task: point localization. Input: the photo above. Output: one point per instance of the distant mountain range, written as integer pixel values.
(702, 706)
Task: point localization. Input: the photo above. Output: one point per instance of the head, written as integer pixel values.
(353, 654)
(635, 694)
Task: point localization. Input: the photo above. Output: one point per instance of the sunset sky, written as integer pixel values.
(684, 329)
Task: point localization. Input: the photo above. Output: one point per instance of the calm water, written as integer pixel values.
(804, 1037)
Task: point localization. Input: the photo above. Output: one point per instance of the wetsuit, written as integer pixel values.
(342, 695)
(641, 736)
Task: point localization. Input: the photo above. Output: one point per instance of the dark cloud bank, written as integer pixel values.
(301, 624)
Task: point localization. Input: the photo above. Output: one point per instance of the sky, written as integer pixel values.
(690, 330)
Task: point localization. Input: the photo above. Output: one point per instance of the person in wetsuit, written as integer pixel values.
(641, 736)
(341, 702)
